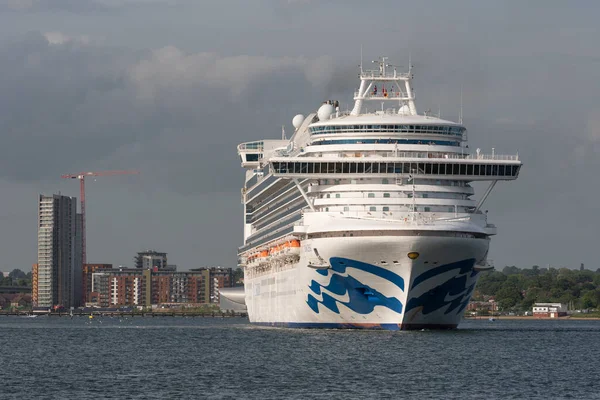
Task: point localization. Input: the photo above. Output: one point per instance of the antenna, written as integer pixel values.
(361, 59)
(460, 116)
(283, 132)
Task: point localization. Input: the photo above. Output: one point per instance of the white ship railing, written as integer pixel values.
(411, 154)
(409, 218)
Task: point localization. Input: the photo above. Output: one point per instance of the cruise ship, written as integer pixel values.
(365, 218)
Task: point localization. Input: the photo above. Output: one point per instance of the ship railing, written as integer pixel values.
(408, 217)
(375, 74)
(387, 95)
(435, 155)
(251, 146)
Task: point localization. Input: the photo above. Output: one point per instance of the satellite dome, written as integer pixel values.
(297, 121)
(325, 112)
(404, 110)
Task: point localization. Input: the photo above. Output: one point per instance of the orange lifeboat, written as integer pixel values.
(279, 251)
(293, 247)
(262, 256)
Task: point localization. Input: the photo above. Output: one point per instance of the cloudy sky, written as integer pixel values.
(170, 87)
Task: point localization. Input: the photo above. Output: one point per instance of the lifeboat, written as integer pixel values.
(293, 247)
(262, 256)
(252, 260)
(281, 250)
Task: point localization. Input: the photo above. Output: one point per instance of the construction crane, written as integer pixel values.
(81, 176)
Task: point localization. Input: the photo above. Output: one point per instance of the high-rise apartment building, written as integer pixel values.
(59, 256)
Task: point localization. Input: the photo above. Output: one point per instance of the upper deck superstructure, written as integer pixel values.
(390, 164)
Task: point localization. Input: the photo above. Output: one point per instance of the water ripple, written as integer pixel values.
(213, 358)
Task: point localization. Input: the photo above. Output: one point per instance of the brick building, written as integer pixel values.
(88, 270)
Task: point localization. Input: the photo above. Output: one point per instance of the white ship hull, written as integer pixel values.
(371, 283)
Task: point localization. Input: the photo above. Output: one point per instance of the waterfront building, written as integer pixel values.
(147, 287)
(489, 306)
(59, 256)
(88, 270)
(220, 278)
(549, 310)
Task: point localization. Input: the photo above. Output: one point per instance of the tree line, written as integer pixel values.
(15, 278)
(518, 289)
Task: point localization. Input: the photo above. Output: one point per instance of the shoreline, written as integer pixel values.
(518, 317)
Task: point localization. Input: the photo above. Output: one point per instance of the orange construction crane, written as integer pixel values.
(81, 176)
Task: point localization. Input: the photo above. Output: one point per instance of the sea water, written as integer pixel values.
(227, 358)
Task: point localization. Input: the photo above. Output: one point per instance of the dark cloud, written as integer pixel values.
(68, 102)
(73, 106)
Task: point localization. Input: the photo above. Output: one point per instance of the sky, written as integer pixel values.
(170, 87)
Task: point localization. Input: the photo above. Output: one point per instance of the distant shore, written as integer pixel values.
(568, 317)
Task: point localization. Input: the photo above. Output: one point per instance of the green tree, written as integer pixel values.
(237, 275)
(589, 300)
(17, 274)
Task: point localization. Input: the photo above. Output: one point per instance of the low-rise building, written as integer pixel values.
(489, 306)
(549, 310)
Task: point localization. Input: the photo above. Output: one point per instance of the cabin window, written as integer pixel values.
(372, 208)
(346, 208)
(371, 195)
(337, 195)
(386, 195)
(386, 209)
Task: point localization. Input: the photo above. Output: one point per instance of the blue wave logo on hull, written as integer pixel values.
(362, 299)
(455, 292)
